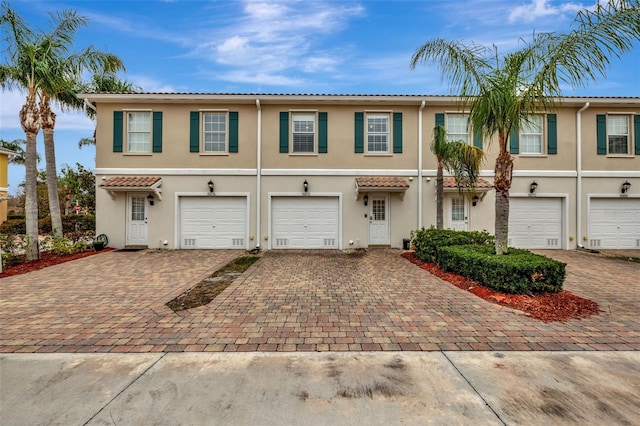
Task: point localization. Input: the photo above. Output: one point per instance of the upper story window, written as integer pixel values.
(618, 134)
(377, 132)
(139, 132)
(531, 135)
(214, 132)
(304, 132)
(458, 127)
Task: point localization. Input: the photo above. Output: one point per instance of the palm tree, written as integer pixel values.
(457, 157)
(104, 82)
(41, 64)
(501, 92)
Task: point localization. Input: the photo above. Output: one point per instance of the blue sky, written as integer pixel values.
(290, 46)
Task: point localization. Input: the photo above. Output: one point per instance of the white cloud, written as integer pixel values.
(273, 43)
(540, 9)
(149, 84)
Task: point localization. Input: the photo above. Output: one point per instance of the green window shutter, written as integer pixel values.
(233, 131)
(514, 147)
(323, 143)
(397, 133)
(601, 133)
(552, 134)
(284, 132)
(440, 119)
(157, 131)
(117, 131)
(359, 133)
(636, 133)
(477, 139)
(194, 132)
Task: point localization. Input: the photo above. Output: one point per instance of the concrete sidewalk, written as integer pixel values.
(409, 388)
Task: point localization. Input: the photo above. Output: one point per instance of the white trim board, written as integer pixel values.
(176, 172)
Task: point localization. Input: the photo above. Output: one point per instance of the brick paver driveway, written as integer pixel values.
(304, 301)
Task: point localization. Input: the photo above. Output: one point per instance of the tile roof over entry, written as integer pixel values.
(382, 182)
(133, 182)
(450, 182)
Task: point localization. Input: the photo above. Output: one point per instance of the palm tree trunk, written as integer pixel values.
(502, 183)
(439, 196)
(48, 119)
(29, 120)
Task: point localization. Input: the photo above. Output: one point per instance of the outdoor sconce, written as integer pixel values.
(211, 186)
(533, 187)
(625, 187)
(150, 199)
(474, 200)
(366, 200)
(306, 185)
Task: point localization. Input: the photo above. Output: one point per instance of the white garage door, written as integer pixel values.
(535, 223)
(305, 222)
(614, 223)
(213, 222)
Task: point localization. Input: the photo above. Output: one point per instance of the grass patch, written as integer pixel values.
(209, 288)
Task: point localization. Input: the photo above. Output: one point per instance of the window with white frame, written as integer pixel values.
(214, 136)
(304, 132)
(458, 127)
(139, 132)
(377, 132)
(531, 135)
(618, 134)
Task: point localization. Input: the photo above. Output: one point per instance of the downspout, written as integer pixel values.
(258, 174)
(579, 175)
(89, 105)
(420, 164)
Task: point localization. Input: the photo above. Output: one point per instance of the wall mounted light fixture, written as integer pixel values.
(533, 187)
(150, 199)
(625, 187)
(305, 184)
(474, 200)
(211, 186)
(366, 200)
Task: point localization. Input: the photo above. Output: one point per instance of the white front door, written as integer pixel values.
(458, 218)
(379, 219)
(136, 220)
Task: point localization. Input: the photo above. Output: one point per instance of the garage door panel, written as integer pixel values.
(213, 223)
(614, 223)
(304, 223)
(535, 223)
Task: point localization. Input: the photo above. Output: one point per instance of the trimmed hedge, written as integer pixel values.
(428, 241)
(517, 271)
(70, 223)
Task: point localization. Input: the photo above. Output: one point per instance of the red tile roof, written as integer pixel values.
(130, 182)
(381, 182)
(450, 182)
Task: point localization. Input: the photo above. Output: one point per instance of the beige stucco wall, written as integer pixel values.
(4, 184)
(335, 171)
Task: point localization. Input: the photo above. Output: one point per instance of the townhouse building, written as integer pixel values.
(5, 156)
(278, 171)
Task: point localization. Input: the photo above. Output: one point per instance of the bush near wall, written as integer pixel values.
(70, 223)
(518, 271)
(428, 241)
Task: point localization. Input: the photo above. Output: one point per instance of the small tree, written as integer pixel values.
(457, 157)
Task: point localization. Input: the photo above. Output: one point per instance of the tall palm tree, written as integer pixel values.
(41, 64)
(457, 157)
(104, 82)
(502, 91)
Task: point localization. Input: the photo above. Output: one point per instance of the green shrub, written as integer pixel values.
(70, 223)
(518, 271)
(427, 241)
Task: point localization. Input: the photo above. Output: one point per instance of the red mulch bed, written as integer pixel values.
(46, 259)
(547, 307)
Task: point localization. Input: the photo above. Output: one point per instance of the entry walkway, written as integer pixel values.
(299, 301)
